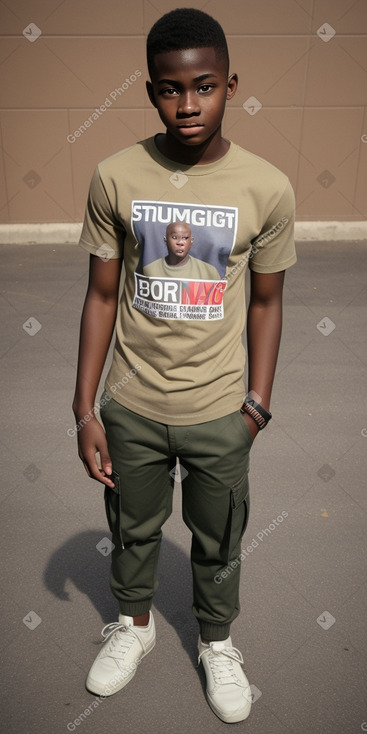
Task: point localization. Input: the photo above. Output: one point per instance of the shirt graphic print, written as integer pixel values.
(184, 254)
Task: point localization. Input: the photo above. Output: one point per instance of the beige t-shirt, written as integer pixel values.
(178, 357)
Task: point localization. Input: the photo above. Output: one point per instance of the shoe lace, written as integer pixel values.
(221, 664)
(120, 638)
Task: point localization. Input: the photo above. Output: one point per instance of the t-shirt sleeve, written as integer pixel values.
(273, 249)
(102, 233)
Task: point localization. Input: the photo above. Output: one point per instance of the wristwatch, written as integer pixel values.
(257, 412)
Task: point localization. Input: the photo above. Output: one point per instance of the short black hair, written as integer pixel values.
(185, 28)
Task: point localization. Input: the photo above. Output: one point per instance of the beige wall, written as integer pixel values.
(312, 123)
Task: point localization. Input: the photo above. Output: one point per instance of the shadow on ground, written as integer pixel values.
(76, 561)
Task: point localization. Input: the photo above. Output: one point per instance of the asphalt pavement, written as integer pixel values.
(302, 628)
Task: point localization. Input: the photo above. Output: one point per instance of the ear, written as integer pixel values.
(232, 85)
(149, 88)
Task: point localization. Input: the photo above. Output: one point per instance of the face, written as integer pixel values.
(178, 240)
(190, 88)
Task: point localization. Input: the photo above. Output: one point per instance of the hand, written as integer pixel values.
(253, 428)
(92, 439)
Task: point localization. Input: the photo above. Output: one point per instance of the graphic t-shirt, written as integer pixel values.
(178, 356)
(194, 269)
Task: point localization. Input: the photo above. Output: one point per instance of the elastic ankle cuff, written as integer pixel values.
(214, 632)
(134, 609)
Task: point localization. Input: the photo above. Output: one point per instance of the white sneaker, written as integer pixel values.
(124, 647)
(228, 690)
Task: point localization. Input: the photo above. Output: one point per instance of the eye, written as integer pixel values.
(169, 92)
(205, 88)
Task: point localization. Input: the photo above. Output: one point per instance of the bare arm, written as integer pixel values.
(264, 327)
(97, 324)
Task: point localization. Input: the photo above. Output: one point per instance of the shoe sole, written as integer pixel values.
(109, 689)
(230, 718)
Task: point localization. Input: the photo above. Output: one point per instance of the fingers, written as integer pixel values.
(93, 451)
(106, 465)
(99, 470)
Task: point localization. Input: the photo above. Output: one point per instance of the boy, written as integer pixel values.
(179, 240)
(177, 371)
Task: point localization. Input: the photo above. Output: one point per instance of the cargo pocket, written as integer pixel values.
(238, 516)
(112, 499)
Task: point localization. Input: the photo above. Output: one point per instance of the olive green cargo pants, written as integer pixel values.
(214, 459)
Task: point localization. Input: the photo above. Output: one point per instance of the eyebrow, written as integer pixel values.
(196, 79)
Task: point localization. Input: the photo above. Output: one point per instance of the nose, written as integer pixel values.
(188, 104)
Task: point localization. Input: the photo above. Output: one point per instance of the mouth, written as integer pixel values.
(190, 128)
